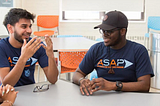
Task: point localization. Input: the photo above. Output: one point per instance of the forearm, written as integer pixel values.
(14, 75)
(52, 71)
(78, 75)
(140, 86)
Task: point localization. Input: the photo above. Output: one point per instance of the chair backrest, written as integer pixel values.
(59, 36)
(93, 74)
(99, 39)
(70, 60)
(48, 21)
(154, 22)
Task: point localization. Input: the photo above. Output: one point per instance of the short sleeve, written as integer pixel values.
(3, 59)
(143, 65)
(87, 64)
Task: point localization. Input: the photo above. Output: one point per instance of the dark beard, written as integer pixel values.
(17, 37)
(118, 40)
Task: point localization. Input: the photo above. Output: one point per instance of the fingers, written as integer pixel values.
(24, 42)
(6, 89)
(34, 44)
(31, 41)
(9, 88)
(48, 41)
(16, 92)
(96, 87)
(49, 46)
(99, 84)
(12, 89)
(9, 93)
(85, 87)
(44, 46)
(3, 90)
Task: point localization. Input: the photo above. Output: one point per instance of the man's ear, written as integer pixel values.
(10, 28)
(123, 31)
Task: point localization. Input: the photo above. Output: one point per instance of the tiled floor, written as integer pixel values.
(63, 76)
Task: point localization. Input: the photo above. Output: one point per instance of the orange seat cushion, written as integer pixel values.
(44, 32)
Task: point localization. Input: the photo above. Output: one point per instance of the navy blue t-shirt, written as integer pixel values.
(129, 63)
(10, 55)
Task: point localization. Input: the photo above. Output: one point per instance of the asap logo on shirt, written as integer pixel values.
(29, 62)
(118, 63)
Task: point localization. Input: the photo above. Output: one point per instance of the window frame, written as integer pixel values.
(101, 14)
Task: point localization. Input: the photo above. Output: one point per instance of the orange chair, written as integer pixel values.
(47, 22)
(69, 60)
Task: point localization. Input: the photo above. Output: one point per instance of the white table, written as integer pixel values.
(65, 93)
(71, 43)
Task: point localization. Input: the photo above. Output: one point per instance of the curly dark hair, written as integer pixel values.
(15, 14)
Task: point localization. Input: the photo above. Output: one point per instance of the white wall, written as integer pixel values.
(82, 28)
(134, 29)
(3, 11)
(152, 8)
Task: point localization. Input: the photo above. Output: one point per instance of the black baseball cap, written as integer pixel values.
(112, 20)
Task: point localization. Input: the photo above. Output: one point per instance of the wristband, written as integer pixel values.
(80, 80)
(7, 101)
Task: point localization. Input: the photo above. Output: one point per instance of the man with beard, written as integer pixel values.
(19, 53)
(121, 65)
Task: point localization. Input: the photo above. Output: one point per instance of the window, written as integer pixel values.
(81, 15)
(95, 15)
(91, 10)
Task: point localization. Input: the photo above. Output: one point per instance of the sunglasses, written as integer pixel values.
(108, 32)
(44, 87)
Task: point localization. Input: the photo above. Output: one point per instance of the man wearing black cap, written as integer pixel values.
(121, 65)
